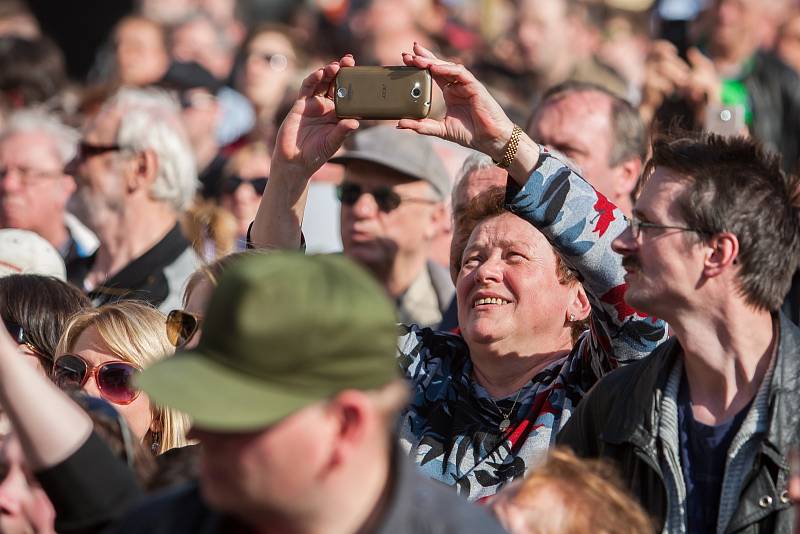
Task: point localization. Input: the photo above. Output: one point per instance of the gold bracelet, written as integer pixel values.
(510, 152)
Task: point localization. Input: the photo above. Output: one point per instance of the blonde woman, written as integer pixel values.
(100, 352)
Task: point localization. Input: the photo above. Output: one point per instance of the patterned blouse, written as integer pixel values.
(452, 427)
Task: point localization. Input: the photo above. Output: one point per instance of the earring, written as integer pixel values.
(156, 445)
(572, 317)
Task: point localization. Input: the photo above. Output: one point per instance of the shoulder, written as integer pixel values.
(176, 510)
(417, 347)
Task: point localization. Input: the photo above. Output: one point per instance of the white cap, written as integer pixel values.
(24, 252)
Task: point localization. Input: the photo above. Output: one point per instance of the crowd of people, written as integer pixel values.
(565, 301)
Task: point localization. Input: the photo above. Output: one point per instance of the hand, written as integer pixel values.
(311, 133)
(704, 85)
(665, 73)
(473, 119)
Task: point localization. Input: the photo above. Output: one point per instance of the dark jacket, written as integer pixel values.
(618, 420)
(417, 505)
(774, 90)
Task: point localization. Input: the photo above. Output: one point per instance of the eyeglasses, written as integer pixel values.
(232, 183)
(20, 337)
(28, 174)
(636, 226)
(277, 62)
(181, 326)
(385, 197)
(114, 379)
(88, 150)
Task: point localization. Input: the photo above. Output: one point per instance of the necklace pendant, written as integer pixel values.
(504, 424)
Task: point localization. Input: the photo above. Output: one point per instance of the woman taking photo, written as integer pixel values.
(527, 267)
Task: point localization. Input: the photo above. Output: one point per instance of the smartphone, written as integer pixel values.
(383, 93)
(725, 120)
(677, 33)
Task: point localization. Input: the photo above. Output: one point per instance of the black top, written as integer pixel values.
(417, 505)
(211, 177)
(90, 489)
(143, 278)
(704, 451)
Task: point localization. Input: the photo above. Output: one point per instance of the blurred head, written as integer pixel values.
(513, 289)
(543, 32)
(141, 51)
(16, 20)
(788, 43)
(307, 391)
(733, 23)
(134, 153)
(184, 327)
(602, 133)
(41, 306)
(568, 495)
(24, 506)
(34, 188)
(31, 72)
(732, 207)
(270, 65)
(243, 183)
(199, 38)
(129, 332)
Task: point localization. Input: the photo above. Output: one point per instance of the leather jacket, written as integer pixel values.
(618, 420)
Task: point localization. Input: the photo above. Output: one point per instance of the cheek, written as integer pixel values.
(138, 415)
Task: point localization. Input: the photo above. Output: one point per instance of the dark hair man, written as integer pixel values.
(294, 392)
(602, 133)
(702, 428)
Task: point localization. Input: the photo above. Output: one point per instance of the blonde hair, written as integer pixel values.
(133, 332)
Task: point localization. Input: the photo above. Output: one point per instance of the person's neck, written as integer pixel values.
(345, 511)
(56, 234)
(726, 353)
(397, 277)
(205, 151)
(503, 372)
(135, 231)
(729, 59)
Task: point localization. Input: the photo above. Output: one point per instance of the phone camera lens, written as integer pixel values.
(725, 115)
(341, 92)
(416, 92)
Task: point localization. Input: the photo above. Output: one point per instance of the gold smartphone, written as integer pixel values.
(383, 93)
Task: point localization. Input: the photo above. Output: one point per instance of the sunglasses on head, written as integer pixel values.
(232, 183)
(20, 337)
(386, 198)
(181, 326)
(114, 379)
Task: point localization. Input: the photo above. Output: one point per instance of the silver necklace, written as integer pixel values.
(506, 422)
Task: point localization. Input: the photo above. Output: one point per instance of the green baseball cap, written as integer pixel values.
(283, 330)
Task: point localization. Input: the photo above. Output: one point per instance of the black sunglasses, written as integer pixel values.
(386, 198)
(232, 183)
(16, 331)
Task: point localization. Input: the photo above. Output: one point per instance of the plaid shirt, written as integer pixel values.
(451, 428)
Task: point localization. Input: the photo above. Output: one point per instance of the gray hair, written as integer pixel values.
(150, 120)
(34, 120)
(223, 41)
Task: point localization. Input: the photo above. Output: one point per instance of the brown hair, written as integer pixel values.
(734, 185)
(42, 306)
(589, 493)
(487, 205)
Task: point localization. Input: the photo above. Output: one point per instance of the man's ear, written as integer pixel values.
(351, 412)
(141, 170)
(439, 221)
(628, 173)
(721, 253)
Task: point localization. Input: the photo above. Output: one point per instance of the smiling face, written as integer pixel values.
(663, 266)
(509, 293)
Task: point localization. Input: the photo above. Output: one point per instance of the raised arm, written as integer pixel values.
(309, 136)
(578, 221)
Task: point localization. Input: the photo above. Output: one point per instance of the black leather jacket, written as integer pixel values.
(774, 90)
(617, 420)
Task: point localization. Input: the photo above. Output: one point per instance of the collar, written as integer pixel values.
(137, 273)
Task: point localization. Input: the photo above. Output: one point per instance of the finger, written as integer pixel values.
(310, 83)
(423, 126)
(347, 61)
(698, 60)
(343, 128)
(424, 52)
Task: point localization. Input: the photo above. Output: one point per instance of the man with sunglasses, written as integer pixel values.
(392, 206)
(702, 429)
(136, 173)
